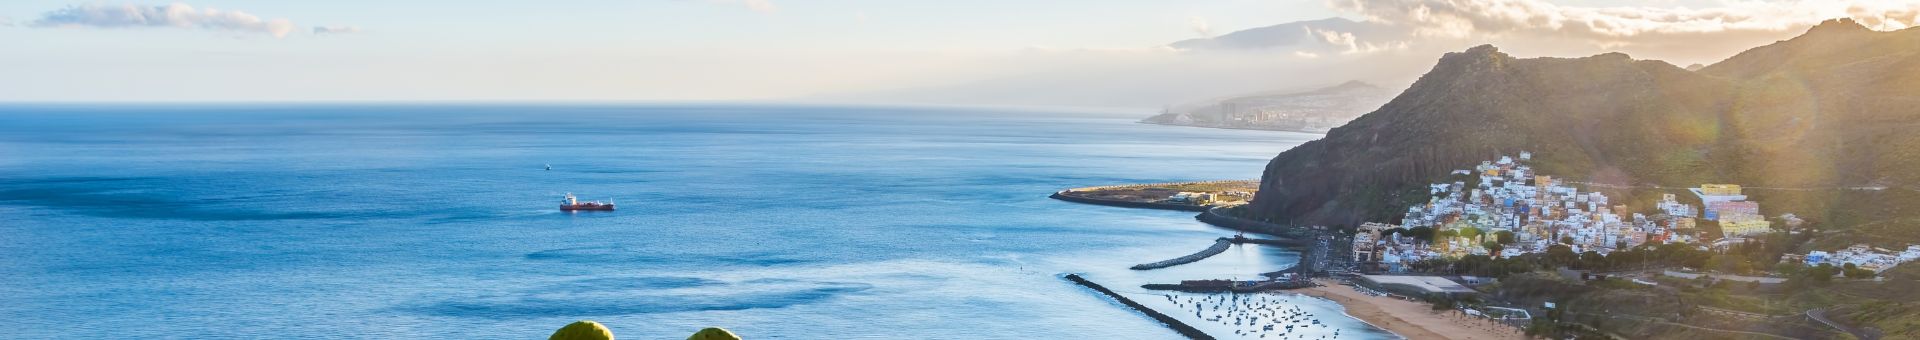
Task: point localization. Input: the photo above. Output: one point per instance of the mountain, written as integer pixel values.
(1836, 107)
(1312, 111)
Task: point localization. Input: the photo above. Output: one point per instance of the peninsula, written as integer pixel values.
(1186, 196)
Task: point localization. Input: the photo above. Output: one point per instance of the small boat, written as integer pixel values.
(574, 204)
(549, 167)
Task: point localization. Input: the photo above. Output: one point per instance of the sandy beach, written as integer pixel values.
(1414, 320)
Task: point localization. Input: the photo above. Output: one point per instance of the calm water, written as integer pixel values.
(336, 221)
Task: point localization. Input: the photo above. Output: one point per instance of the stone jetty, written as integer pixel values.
(1180, 327)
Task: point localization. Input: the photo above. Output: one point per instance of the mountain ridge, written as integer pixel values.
(1812, 111)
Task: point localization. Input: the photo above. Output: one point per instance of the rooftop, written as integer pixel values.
(1428, 284)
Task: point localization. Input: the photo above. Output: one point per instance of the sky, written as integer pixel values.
(990, 52)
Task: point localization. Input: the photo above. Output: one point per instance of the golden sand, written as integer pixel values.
(1411, 319)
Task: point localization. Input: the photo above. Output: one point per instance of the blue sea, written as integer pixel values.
(440, 220)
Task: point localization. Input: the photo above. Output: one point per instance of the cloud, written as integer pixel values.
(175, 15)
(762, 6)
(1465, 18)
(335, 29)
(1545, 28)
(1201, 27)
(1347, 43)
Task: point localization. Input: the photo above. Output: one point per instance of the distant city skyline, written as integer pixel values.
(1076, 53)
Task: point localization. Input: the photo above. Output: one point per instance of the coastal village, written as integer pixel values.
(1500, 209)
(1702, 202)
(1256, 308)
(1511, 210)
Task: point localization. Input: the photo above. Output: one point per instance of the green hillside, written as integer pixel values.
(1801, 121)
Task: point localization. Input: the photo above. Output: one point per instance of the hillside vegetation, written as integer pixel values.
(1832, 109)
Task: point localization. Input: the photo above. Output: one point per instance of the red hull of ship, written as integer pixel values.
(588, 207)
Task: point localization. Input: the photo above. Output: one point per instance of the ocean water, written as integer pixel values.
(397, 221)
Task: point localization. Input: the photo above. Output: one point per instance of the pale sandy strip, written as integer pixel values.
(1413, 320)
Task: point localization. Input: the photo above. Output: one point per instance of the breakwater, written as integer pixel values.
(1323, 250)
(1219, 246)
(1289, 243)
(1175, 324)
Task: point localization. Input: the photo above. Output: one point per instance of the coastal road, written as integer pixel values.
(1820, 314)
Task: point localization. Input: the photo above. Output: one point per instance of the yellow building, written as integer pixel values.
(1747, 227)
(1720, 189)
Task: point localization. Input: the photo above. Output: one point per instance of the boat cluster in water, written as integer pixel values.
(1255, 315)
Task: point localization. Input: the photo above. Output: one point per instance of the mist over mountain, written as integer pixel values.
(1294, 57)
(1387, 48)
(1309, 111)
(1832, 108)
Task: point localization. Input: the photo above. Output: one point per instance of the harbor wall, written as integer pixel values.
(1219, 246)
(1179, 327)
(1322, 250)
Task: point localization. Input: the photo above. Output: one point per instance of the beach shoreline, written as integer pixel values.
(1409, 319)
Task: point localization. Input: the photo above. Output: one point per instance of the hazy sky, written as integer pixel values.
(1084, 52)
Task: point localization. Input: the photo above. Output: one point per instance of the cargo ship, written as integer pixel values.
(574, 204)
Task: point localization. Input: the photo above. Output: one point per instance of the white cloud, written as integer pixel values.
(335, 29)
(1543, 28)
(1347, 43)
(1200, 26)
(1465, 18)
(762, 6)
(176, 15)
